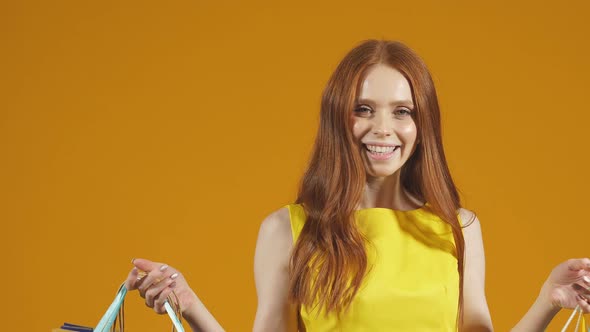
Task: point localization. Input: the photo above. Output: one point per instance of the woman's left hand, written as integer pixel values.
(568, 285)
(157, 282)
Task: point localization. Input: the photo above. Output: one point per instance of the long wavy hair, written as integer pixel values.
(329, 262)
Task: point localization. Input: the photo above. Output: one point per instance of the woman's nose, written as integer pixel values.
(382, 132)
(382, 127)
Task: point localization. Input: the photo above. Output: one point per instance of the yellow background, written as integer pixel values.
(169, 129)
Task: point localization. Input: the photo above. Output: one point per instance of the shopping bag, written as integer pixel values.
(67, 327)
(580, 321)
(115, 314)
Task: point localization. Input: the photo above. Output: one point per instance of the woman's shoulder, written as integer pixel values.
(276, 226)
(467, 217)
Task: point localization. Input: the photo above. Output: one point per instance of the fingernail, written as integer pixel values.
(172, 285)
(174, 276)
(163, 267)
(132, 260)
(586, 279)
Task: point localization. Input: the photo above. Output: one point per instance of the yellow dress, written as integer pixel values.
(412, 284)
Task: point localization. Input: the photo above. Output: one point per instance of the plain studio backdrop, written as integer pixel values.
(169, 130)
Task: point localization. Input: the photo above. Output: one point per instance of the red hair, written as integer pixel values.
(329, 261)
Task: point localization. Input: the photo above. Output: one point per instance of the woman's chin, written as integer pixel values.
(382, 172)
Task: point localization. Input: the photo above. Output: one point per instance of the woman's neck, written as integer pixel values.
(388, 192)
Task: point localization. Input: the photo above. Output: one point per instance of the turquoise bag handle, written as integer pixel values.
(108, 319)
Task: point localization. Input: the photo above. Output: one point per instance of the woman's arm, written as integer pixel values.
(537, 318)
(200, 319)
(271, 273)
(476, 315)
(271, 269)
(161, 280)
(566, 287)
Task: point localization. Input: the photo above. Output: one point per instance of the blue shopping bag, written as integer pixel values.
(115, 314)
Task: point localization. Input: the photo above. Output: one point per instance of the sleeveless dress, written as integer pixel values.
(412, 283)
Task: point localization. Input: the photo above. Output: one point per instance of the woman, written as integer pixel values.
(378, 240)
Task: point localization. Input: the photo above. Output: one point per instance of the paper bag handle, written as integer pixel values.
(108, 319)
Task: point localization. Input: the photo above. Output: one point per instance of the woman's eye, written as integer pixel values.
(402, 112)
(363, 111)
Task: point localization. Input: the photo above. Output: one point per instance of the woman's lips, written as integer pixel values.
(381, 152)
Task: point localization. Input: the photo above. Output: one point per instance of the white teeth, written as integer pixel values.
(380, 149)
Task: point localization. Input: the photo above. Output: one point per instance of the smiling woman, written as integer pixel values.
(378, 239)
(383, 120)
(367, 103)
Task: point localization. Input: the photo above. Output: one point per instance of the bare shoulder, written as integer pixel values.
(468, 218)
(276, 227)
(476, 315)
(271, 274)
(471, 228)
(274, 244)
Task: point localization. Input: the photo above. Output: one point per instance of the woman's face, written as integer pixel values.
(383, 121)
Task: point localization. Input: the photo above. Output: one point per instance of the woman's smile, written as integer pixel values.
(381, 151)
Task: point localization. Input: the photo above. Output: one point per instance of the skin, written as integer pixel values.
(382, 117)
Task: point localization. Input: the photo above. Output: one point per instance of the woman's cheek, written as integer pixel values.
(357, 130)
(408, 134)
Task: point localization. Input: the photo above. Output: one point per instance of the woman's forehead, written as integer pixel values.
(385, 85)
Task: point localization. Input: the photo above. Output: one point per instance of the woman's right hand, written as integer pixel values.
(157, 281)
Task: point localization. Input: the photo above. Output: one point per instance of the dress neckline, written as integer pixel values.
(421, 208)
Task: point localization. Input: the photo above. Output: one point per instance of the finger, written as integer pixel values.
(578, 264)
(145, 265)
(130, 282)
(582, 291)
(141, 275)
(163, 297)
(583, 303)
(154, 292)
(155, 277)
